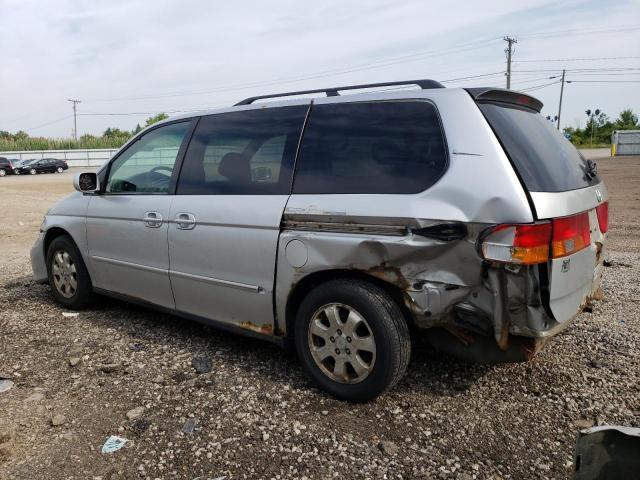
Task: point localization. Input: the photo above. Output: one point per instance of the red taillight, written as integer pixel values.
(524, 244)
(533, 243)
(570, 234)
(603, 216)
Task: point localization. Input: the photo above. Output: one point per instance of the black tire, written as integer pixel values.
(33, 171)
(387, 325)
(3, 172)
(83, 294)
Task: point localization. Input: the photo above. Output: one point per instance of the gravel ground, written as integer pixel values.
(123, 370)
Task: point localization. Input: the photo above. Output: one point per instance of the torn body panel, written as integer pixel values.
(443, 283)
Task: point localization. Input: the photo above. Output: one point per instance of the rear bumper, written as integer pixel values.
(38, 263)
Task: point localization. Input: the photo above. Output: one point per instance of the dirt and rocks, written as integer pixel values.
(197, 403)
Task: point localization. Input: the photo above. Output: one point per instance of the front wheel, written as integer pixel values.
(33, 171)
(353, 339)
(68, 275)
(3, 172)
(59, 170)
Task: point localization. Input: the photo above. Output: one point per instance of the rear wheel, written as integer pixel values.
(3, 172)
(68, 275)
(33, 171)
(16, 171)
(352, 339)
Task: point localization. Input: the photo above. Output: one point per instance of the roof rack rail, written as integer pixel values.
(333, 92)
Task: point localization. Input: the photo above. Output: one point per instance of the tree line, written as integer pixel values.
(110, 138)
(601, 127)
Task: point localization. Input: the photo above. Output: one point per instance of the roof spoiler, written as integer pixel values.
(505, 96)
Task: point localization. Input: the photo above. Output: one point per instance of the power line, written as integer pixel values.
(573, 59)
(49, 123)
(319, 74)
(581, 31)
(538, 87)
(603, 81)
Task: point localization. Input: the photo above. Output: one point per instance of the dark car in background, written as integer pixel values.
(45, 165)
(7, 166)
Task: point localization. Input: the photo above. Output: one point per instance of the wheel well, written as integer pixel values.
(52, 234)
(311, 281)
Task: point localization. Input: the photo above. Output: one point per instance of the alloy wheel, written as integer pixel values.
(65, 276)
(341, 343)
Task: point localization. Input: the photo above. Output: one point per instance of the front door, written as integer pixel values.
(127, 223)
(225, 217)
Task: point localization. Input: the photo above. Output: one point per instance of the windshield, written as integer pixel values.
(545, 160)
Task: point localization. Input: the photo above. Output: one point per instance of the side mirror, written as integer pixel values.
(86, 182)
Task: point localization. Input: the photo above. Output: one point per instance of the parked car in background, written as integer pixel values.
(18, 164)
(45, 165)
(333, 224)
(7, 166)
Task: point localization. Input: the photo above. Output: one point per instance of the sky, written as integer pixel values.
(127, 60)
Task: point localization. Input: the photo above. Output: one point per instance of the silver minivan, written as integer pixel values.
(338, 224)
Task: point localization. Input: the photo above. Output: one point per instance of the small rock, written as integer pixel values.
(34, 397)
(584, 423)
(158, 379)
(140, 426)
(595, 363)
(201, 364)
(74, 361)
(67, 436)
(109, 367)
(265, 436)
(325, 412)
(5, 385)
(58, 420)
(135, 413)
(189, 426)
(388, 447)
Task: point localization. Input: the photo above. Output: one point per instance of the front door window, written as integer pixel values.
(146, 166)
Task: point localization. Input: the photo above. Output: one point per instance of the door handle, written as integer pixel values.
(152, 219)
(185, 221)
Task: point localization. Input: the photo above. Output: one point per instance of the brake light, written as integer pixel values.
(523, 244)
(570, 234)
(603, 216)
(534, 243)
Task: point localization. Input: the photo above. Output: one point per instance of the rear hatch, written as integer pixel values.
(563, 189)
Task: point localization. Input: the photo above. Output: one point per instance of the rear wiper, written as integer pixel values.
(592, 170)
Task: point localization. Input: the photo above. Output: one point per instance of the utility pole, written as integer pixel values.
(509, 51)
(75, 123)
(561, 92)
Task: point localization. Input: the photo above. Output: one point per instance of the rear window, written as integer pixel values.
(371, 147)
(545, 160)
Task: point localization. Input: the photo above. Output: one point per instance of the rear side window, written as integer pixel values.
(243, 153)
(545, 160)
(371, 147)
